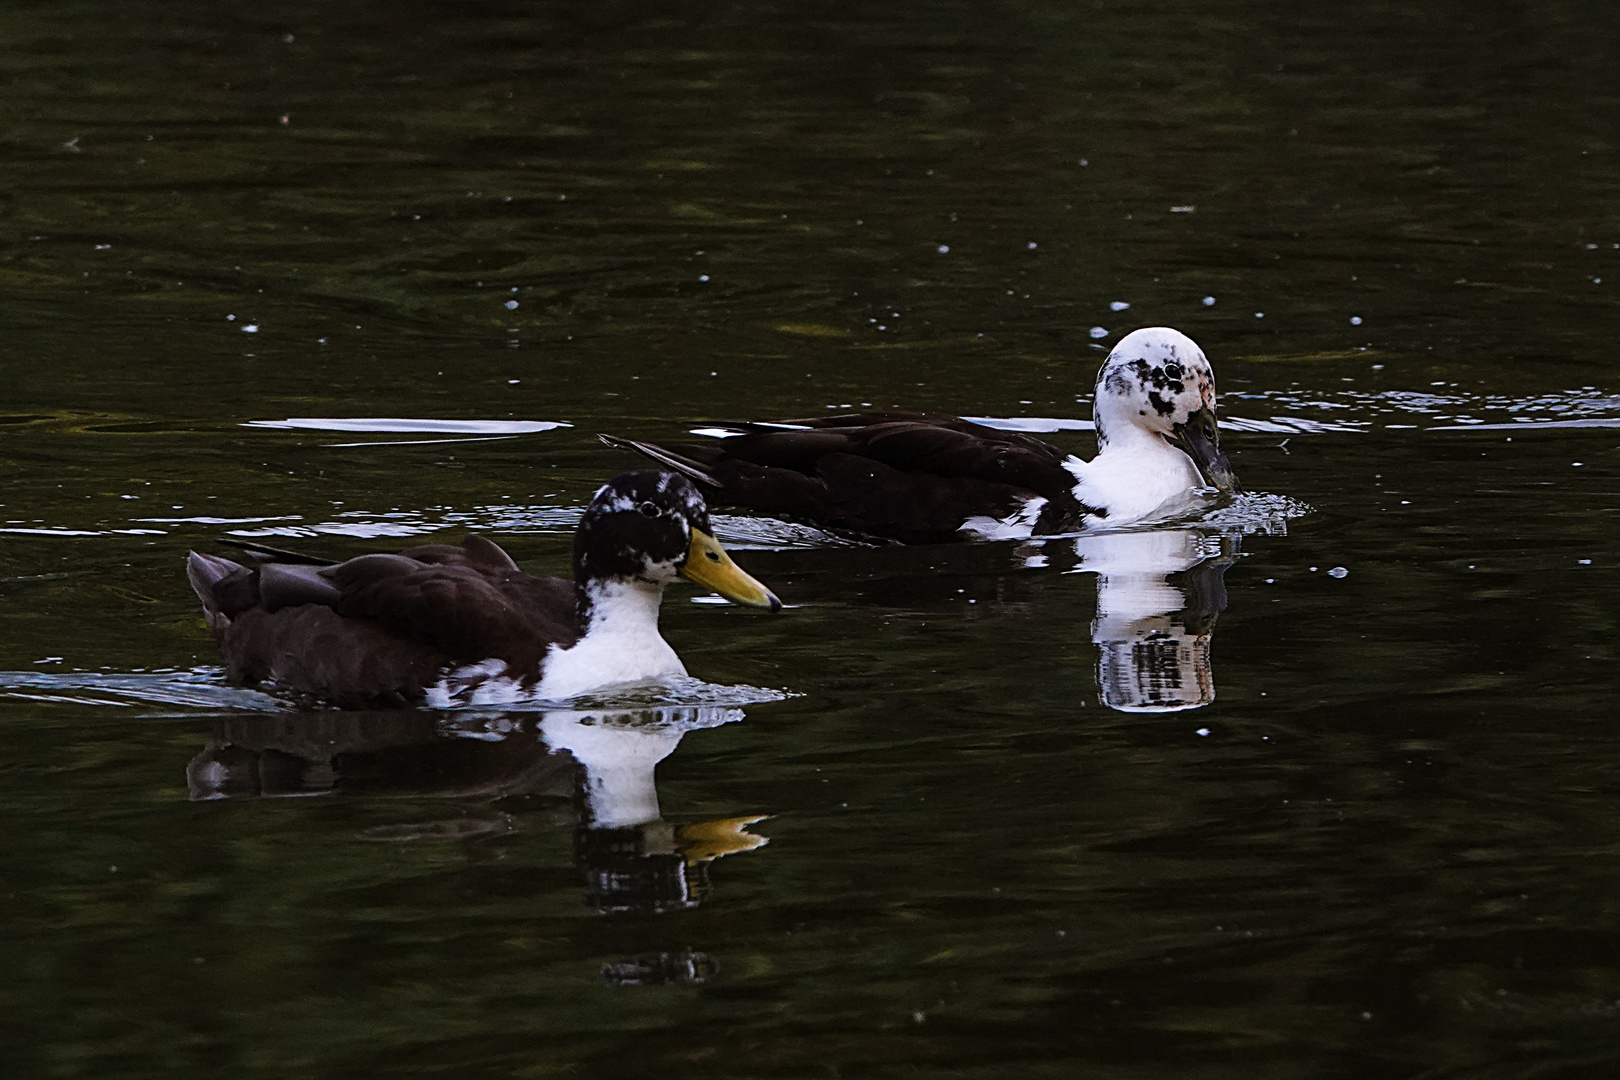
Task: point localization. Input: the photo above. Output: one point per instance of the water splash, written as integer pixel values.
(683, 692)
(1253, 513)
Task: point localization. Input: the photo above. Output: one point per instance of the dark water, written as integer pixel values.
(1388, 847)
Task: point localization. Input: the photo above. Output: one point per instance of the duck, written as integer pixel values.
(925, 478)
(445, 625)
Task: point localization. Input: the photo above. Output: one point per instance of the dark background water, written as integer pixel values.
(1388, 847)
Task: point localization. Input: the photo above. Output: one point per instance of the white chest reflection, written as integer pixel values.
(1153, 635)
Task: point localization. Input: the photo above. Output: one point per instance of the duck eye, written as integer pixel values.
(649, 509)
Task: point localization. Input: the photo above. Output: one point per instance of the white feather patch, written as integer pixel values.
(621, 645)
(1017, 525)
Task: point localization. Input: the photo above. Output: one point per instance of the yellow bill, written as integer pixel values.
(705, 841)
(708, 564)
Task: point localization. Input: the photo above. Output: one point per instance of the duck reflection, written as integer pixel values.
(633, 860)
(1153, 636)
(603, 761)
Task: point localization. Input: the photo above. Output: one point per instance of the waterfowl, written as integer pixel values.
(443, 624)
(928, 479)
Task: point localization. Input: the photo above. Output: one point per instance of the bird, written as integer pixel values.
(442, 625)
(923, 478)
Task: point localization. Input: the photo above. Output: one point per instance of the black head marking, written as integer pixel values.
(1161, 384)
(1116, 381)
(638, 521)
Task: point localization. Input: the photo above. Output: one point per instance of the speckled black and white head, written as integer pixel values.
(638, 527)
(650, 526)
(1157, 382)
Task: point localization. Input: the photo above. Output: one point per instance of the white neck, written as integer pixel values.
(621, 642)
(1134, 473)
(1116, 417)
(1137, 440)
(619, 606)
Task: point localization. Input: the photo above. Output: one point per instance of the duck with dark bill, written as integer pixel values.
(443, 625)
(927, 479)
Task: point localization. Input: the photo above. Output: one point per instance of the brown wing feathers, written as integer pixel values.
(377, 629)
(471, 612)
(909, 478)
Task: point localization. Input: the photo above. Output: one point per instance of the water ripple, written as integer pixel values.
(395, 425)
(204, 688)
(199, 688)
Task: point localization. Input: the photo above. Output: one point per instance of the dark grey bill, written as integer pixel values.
(1200, 439)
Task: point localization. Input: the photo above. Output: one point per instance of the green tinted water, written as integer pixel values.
(1387, 847)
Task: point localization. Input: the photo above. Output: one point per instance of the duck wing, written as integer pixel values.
(916, 479)
(379, 629)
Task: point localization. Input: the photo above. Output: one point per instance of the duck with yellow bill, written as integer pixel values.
(443, 625)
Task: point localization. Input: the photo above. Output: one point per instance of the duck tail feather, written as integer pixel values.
(683, 465)
(205, 572)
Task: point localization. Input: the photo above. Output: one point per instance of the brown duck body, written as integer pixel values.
(912, 477)
(378, 630)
